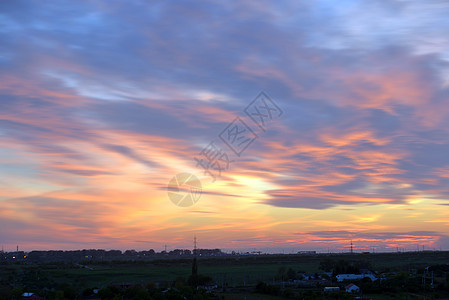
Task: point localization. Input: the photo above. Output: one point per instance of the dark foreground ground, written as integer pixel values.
(413, 275)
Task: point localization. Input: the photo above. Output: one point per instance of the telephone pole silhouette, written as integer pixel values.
(194, 263)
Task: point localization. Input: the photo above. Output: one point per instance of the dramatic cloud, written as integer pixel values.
(102, 104)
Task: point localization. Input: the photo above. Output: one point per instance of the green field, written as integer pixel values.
(243, 271)
(233, 272)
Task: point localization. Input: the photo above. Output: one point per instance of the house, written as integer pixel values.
(352, 288)
(331, 289)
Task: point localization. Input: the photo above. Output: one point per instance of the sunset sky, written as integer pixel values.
(103, 102)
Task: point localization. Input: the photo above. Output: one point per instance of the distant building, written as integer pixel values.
(366, 271)
(330, 289)
(124, 286)
(308, 276)
(315, 276)
(306, 252)
(208, 287)
(32, 296)
(352, 288)
(342, 277)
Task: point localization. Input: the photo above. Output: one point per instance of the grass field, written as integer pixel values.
(233, 271)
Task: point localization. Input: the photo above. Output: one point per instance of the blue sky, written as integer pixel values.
(101, 104)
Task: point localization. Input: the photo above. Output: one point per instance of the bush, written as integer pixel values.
(196, 280)
(264, 288)
(137, 292)
(109, 293)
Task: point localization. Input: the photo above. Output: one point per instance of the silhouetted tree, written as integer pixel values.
(291, 274)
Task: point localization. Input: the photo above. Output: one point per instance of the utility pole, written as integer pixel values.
(431, 285)
(194, 263)
(351, 248)
(194, 243)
